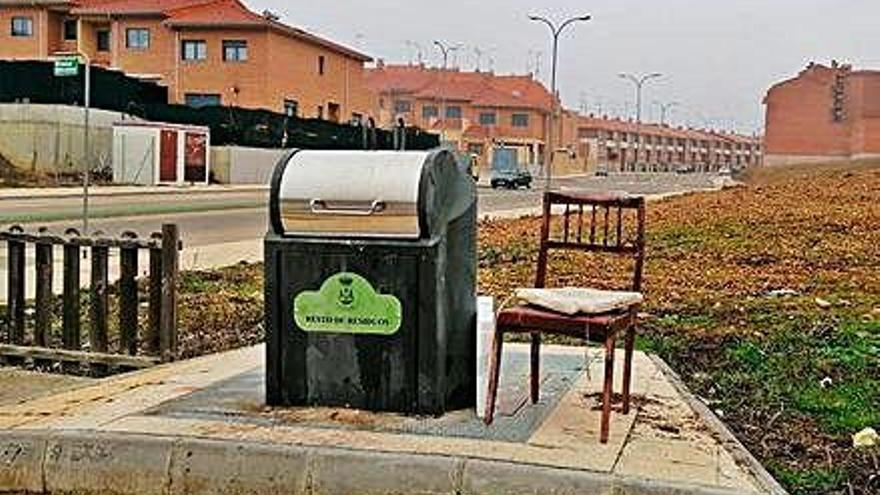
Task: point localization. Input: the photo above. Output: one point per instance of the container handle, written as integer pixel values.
(319, 207)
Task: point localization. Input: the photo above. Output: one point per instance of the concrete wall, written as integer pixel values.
(49, 138)
(239, 165)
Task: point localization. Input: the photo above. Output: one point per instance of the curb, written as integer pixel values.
(720, 431)
(91, 462)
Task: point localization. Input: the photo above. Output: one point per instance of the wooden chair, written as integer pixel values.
(605, 232)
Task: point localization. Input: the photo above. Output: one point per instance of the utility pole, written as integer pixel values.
(66, 65)
(639, 82)
(555, 32)
(445, 49)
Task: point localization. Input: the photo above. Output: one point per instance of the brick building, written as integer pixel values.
(205, 51)
(474, 111)
(627, 146)
(824, 113)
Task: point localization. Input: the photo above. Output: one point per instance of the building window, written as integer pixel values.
(69, 29)
(193, 50)
(137, 38)
(291, 107)
(453, 112)
(198, 100)
(430, 112)
(22, 26)
(402, 106)
(333, 112)
(235, 51)
(488, 118)
(103, 40)
(519, 120)
(320, 65)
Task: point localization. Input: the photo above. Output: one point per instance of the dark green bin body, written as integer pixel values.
(426, 367)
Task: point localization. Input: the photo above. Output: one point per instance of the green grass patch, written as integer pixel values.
(809, 481)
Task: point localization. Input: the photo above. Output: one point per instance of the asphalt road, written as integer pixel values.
(209, 218)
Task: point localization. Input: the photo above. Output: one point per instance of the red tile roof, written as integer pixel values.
(478, 88)
(129, 7)
(200, 13)
(620, 125)
(218, 12)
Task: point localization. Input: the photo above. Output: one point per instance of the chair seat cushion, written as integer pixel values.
(579, 300)
(530, 318)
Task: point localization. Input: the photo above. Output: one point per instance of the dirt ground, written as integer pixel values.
(766, 299)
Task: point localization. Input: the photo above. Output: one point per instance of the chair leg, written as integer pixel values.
(494, 372)
(536, 366)
(627, 366)
(607, 389)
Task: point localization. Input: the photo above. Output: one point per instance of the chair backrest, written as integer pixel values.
(598, 223)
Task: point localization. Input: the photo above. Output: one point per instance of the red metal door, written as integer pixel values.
(168, 156)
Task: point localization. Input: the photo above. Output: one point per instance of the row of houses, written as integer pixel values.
(620, 145)
(218, 52)
(207, 52)
(476, 111)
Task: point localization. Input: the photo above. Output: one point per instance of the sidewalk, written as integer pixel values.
(104, 191)
(200, 426)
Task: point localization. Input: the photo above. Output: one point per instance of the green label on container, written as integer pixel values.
(347, 303)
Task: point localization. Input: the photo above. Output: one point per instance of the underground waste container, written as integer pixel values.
(370, 280)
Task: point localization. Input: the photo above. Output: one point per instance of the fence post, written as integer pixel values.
(128, 296)
(15, 289)
(70, 333)
(168, 317)
(44, 297)
(151, 337)
(98, 299)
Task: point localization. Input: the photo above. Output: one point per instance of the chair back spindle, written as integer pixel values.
(620, 234)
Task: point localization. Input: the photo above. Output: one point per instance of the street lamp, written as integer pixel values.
(639, 82)
(555, 32)
(665, 108)
(445, 49)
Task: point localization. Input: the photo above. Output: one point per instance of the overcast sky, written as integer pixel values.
(718, 57)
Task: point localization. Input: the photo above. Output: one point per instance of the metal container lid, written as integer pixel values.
(359, 193)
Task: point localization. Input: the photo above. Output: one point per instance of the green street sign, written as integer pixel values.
(66, 67)
(347, 303)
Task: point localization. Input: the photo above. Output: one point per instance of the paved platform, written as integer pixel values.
(200, 426)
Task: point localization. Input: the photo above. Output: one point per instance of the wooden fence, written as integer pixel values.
(157, 343)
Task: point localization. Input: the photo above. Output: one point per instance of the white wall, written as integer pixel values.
(49, 138)
(134, 156)
(239, 165)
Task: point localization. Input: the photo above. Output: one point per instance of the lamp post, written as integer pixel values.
(639, 81)
(665, 108)
(445, 49)
(555, 32)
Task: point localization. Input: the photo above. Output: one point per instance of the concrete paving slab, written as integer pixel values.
(210, 433)
(18, 386)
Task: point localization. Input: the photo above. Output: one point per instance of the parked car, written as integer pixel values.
(507, 171)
